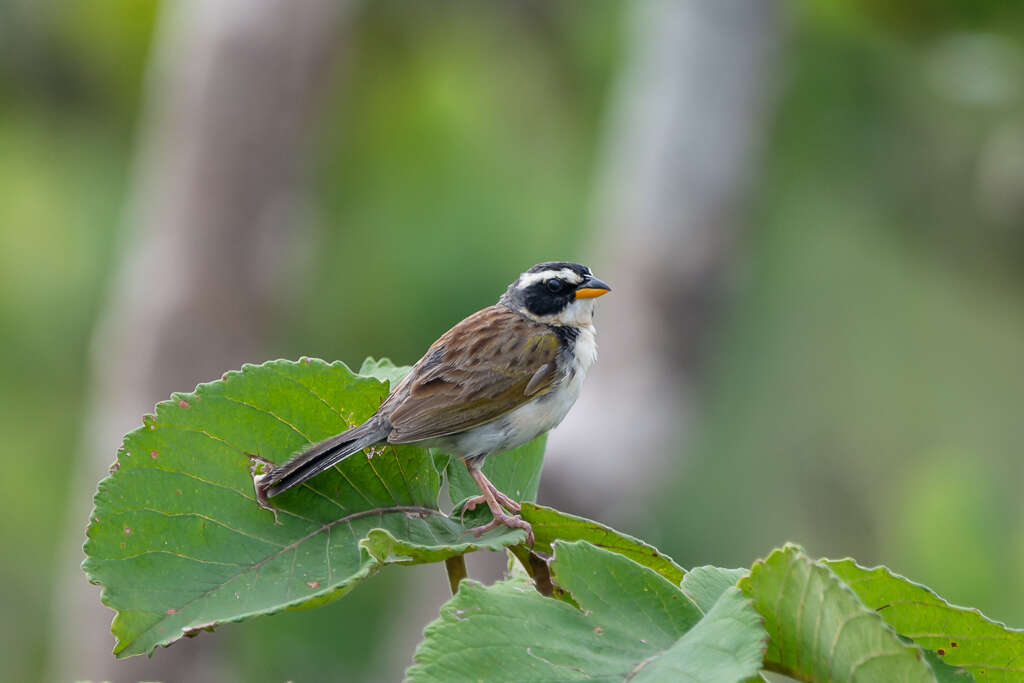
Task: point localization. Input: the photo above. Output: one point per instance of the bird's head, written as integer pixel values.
(557, 293)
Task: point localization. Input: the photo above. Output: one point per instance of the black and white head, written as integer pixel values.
(557, 293)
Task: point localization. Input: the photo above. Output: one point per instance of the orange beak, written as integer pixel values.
(592, 288)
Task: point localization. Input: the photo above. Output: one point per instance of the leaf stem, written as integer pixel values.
(536, 567)
(456, 568)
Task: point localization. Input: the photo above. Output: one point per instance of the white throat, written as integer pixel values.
(586, 348)
(579, 313)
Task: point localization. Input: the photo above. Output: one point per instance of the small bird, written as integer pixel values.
(495, 381)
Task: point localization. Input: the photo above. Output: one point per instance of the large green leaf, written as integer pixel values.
(179, 543)
(820, 631)
(961, 637)
(632, 624)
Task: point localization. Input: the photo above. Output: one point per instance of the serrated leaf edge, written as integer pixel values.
(744, 584)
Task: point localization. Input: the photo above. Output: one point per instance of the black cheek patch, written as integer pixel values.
(540, 301)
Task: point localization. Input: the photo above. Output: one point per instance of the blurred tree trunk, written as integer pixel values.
(210, 227)
(679, 156)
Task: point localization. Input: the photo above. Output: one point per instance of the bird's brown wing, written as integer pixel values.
(489, 364)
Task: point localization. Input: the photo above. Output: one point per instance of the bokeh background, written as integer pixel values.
(812, 214)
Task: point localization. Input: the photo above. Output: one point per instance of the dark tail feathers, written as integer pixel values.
(318, 457)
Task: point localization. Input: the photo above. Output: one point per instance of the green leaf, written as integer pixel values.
(386, 548)
(595, 577)
(726, 645)
(962, 637)
(704, 585)
(549, 525)
(179, 543)
(633, 624)
(944, 673)
(820, 631)
(384, 370)
(516, 473)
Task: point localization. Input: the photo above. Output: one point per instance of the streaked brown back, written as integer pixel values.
(487, 365)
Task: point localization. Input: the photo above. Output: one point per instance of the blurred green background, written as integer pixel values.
(863, 394)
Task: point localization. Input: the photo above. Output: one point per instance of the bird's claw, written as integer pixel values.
(510, 521)
(469, 505)
(506, 502)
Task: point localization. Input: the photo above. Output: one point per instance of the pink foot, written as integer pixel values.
(501, 519)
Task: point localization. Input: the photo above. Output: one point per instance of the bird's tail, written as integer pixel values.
(318, 457)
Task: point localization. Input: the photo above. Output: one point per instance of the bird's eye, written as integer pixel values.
(554, 285)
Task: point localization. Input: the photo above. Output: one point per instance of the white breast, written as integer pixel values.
(545, 413)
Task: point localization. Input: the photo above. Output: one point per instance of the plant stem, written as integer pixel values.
(456, 567)
(536, 567)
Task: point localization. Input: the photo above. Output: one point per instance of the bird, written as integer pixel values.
(495, 381)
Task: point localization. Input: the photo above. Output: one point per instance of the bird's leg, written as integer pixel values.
(488, 491)
(503, 500)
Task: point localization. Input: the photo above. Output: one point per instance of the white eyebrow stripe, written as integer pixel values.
(567, 274)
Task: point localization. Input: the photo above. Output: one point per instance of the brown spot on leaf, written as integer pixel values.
(598, 630)
(940, 652)
(183, 403)
(115, 466)
(154, 454)
(127, 531)
(952, 644)
(172, 611)
(313, 584)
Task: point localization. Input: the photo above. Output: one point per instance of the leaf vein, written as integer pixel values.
(211, 519)
(155, 551)
(227, 488)
(310, 391)
(269, 412)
